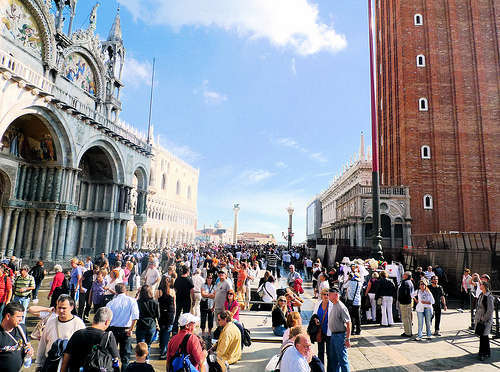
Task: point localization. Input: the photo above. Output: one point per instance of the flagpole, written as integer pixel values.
(151, 102)
(377, 238)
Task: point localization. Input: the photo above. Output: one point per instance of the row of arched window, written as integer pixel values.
(423, 105)
(178, 188)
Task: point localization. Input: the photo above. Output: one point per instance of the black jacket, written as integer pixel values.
(278, 318)
(385, 288)
(404, 292)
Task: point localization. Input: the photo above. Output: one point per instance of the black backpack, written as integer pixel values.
(99, 359)
(54, 357)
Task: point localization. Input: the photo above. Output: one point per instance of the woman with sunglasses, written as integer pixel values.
(278, 315)
(232, 305)
(322, 309)
(424, 300)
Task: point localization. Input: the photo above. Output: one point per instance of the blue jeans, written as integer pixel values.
(337, 354)
(145, 335)
(165, 332)
(279, 331)
(25, 301)
(427, 314)
(34, 294)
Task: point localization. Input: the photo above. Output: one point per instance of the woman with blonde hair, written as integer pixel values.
(278, 315)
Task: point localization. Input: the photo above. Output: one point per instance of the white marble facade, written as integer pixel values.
(68, 166)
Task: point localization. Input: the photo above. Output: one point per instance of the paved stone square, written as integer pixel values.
(376, 349)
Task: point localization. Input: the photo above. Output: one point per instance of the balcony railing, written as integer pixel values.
(34, 80)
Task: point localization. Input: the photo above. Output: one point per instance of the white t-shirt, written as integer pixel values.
(269, 292)
(152, 276)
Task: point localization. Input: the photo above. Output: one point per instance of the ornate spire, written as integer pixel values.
(93, 17)
(115, 34)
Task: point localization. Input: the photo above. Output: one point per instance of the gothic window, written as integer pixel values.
(178, 188)
(419, 20)
(425, 152)
(422, 104)
(427, 201)
(164, 182)
(189, 193)
(420, 60)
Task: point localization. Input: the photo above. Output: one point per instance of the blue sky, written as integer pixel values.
(266, 98)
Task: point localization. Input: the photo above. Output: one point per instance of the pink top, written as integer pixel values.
(234, 304)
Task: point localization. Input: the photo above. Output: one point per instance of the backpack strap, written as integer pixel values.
(282, 353)
(183, 345)
(105, 338)
(23, 335)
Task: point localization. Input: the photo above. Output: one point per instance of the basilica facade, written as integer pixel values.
(72, 175)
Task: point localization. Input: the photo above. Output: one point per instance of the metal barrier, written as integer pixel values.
(496, 324)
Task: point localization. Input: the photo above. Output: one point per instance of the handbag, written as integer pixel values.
(379, 301)
(320, 336)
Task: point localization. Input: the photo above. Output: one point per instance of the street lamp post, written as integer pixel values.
(376, 241)
(290, 234)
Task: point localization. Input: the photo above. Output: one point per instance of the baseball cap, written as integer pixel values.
(333, 290)
(187, 318)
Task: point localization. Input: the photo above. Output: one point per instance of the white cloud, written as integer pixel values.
(280, 164)
(293, 67)
(255, 175)
(210, 96)
(136, 73)
(318, 156)
(293, 24)
(183, 152)
(291, 143)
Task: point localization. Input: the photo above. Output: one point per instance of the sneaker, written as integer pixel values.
(417, 339)
(428, 338)
(405, 335)
(35, 301)
(437, 333)
(460, 310)
(163, 356)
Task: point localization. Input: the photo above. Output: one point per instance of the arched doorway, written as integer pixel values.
(38, 156)
(385, 225)
(101, 201)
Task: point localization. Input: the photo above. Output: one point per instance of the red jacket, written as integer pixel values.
(5, 287)
(56, 282)
(193, 348)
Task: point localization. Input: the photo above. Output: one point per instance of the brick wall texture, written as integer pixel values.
(461, 81)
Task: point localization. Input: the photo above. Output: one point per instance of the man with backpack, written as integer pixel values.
(185, 343)
(56, 334)
(92, 348)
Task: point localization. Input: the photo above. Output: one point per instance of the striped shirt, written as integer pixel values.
(25, 282)
(271, 259)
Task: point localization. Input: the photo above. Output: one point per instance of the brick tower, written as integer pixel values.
(438, 89)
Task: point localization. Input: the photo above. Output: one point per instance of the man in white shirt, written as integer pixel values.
(152, 276)
(61, 327)
(308, 264)
(198, 282)
(296, 358)
(286, 258)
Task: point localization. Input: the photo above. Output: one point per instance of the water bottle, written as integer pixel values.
(27, 362)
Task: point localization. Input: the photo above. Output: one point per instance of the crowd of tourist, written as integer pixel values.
(190, 298)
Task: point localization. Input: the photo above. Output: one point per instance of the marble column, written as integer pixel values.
(49, 237)
(113, 198)
(29, 237)
(69, 236)
(123, 232)
(1, 222)
(34, 183)
(39, 235)
(116, 234)
(20, 234)
(27, 184)
(82, 236)
(90, 191)
(5, 230)
(109, 238)
(139, 236)
(94, 236)
(393, 243)
(13, 233)
(49, 188)
(21, 181)
(359, 234)
(61, 239)
(75, 181)
(96, 197)
(56, 192)
(40, 184)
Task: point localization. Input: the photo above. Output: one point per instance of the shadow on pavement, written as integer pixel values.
(460, 362)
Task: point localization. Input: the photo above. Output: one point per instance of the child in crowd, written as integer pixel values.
(140, 364)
